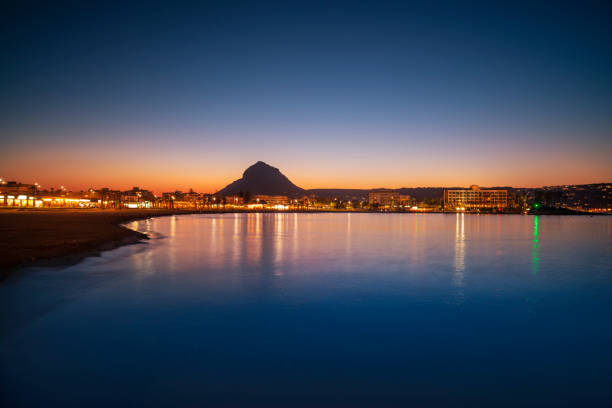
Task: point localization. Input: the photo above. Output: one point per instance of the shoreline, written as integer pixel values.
(62, 236)
(59, 237)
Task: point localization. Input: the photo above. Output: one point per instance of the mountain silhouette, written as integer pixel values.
(262, 178)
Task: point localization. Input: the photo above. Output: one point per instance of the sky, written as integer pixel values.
(181, 95)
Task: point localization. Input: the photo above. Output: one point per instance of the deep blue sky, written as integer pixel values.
(335, 94)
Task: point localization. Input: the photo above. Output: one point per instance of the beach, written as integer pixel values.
(48, 237)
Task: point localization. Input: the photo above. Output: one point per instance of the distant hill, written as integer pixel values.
(340, 193)
(262, 178)
(423, 193)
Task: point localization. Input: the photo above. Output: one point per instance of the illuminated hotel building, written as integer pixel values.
(388, 198)
(474, 198)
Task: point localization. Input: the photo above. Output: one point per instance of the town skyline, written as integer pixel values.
(195, 182)
(185, 187)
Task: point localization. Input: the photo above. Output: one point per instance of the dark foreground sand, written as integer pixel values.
(64, 236)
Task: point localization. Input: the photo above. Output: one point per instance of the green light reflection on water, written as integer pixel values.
(535, 253)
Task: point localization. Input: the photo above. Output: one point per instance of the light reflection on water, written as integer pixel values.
(535, 260)
(320, 309)
(458, 277)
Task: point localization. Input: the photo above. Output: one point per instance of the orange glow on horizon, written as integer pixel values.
(164, 166)
(209, 179)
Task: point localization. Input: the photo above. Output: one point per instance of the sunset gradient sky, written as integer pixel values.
(333, 94)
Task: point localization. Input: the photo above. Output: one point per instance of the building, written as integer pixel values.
(15, 194)
(388, 198)
(234, 200)
(137, 198)
(475, 198)
(271, 199)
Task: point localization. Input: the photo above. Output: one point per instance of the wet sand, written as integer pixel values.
(55, 236)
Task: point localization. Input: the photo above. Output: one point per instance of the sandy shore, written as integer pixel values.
(39, 236)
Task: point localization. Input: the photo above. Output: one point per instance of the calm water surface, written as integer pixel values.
(321, 310)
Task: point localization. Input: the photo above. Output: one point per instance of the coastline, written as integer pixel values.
(59, 237)
(64, 237)
(54, 237)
